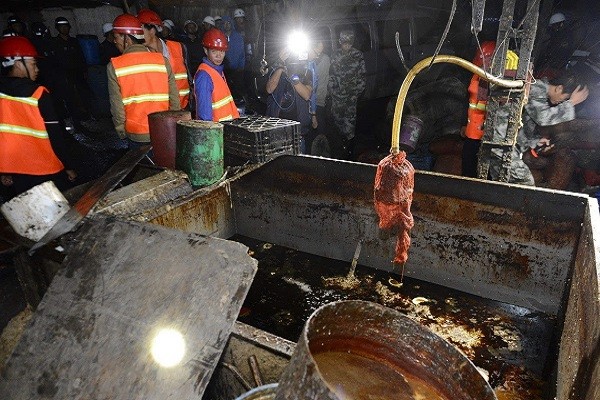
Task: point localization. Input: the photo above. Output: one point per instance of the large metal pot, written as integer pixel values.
(362, 350)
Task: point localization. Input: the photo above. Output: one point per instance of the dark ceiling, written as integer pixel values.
(29, 5)
(21, 5)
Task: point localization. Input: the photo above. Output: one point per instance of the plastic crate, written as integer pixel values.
(260, 139)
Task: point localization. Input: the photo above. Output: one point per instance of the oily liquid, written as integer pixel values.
(355, 377)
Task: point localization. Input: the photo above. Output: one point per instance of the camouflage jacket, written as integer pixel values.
(347, 74)
(539, 112)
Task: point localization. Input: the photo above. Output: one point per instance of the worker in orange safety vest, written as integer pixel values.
(478, 97)
(213, 97)
(173, 51)
(33, 147)
(140, 82)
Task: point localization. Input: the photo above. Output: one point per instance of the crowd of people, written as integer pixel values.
(148, 68)
(555, 138)
(321, 92)
(151, 66)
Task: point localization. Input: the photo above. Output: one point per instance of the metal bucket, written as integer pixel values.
(409, 133)
(362, 350)
(163, 126)
(32, 213)
(264, 392)
(199, 151)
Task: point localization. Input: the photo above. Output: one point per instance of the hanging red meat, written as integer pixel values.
(394, 185)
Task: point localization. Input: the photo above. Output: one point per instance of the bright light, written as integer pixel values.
(298, 42)
(168, 348)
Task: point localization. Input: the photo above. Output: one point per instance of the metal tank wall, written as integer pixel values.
(531, 247)
(502, 242)
(579, 355)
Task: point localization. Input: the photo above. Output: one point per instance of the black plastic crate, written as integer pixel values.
(261, 130)
(257, 155)
(260, 139)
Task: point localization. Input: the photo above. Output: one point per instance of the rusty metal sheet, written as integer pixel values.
(143, 196)
(124, 285)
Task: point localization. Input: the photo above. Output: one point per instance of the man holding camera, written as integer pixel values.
(289, 88)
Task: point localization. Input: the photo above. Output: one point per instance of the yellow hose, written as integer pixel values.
(421, 65)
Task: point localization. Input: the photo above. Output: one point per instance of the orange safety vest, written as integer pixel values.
(180, 71)
(223, 107)
(476, 112)
(25, 147)
(144, 85)
(478, 99)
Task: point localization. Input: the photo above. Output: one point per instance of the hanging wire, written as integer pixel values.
(445, 34)
(263, 63)
(400, 51)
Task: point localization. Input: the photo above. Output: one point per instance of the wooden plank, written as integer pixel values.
(92, 333)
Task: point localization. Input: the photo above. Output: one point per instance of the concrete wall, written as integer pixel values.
(83, 20)
(86, 21)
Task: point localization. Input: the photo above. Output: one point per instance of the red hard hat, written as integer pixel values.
(484, 53)
(129, 25)
(17, 46)
(149, 17)
(214, 39)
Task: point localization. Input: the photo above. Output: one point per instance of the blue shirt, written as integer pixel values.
(235, 56)
(203, 89)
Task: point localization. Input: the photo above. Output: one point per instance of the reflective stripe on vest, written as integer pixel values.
(25, 147)
(223, 107)
(512, 60)
(476, 111)
(144, 85)
(180, 71)
(479, 106)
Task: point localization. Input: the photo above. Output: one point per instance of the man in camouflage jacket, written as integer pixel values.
(549, 104)
(346, 83)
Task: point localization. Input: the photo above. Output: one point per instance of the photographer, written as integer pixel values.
(290, 87)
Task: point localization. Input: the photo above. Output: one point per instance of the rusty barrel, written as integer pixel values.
(362, 350)
(199, 151)
(163, 126)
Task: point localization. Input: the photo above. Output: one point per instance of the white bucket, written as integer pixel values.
(32, 213)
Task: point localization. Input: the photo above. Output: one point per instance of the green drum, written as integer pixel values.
(199, 151)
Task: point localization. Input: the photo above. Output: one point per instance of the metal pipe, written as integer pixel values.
(507, 83)
(238, 375)
(253, 362)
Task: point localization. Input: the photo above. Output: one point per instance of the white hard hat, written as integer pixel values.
(189, 21)
(217, 18)
(239, 13)
(107, 27)
(556, 18)
(209, 20)
(169, 24)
